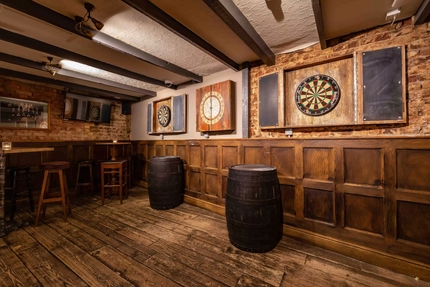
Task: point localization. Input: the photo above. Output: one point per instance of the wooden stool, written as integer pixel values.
(85, 164)
(14, 174)
(114, 175)
(54, 167)
(129, 169)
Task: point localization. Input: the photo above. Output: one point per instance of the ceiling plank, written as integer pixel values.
(150, 10)
(423, 13)
(316, 6)
(233, 17)
(27, 42)
(53, 81)
(45, 14)
(41, 66)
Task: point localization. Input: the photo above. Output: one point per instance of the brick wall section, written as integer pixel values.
(416, 39)
(60, 130)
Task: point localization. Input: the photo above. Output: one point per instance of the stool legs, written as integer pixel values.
(43, 200)
(91, 183)
(13, 179)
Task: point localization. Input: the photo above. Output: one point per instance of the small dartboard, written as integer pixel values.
(95, 113)
(317, 95)
(163, 115)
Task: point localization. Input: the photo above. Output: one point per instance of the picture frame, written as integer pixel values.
(23, 114)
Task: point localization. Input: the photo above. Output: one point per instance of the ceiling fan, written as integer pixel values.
(50, 67)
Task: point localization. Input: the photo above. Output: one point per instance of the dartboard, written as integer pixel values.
(317, 95)
(95, 113)
(163, 115)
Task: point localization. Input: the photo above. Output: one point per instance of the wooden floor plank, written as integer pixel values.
(13, 272)
(180, 273)
(92, 271)
(136, 273)
(131, 244)
(46, 267)
(208, 266)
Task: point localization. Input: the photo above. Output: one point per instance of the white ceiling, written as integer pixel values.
(284, 25)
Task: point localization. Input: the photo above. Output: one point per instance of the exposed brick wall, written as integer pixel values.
(60, 130)
(416, 39)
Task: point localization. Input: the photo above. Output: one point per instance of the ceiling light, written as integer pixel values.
(51, 68)
(81, 20)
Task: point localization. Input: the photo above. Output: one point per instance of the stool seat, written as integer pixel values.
(55, 165)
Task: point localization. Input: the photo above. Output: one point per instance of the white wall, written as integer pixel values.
(139, 110)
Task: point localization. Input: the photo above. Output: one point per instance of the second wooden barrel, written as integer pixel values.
(253, 207)
(165, 182)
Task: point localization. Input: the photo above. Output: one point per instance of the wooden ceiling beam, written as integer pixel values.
(153, 12)
(47, 15)
(316, 7)
(53, 81)
(228, 12)
(41, 66)
(423, 13)
(27, 42)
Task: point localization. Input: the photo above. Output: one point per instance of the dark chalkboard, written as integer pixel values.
(179, 113)
(149, 122)
(268, 97)
(382, 85)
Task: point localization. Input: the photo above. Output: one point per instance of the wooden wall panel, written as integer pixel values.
(283, 159)
(195, 155)
(230, 156)
(288, 199)
(254, 155)
(159, 150)
(319, 205)
(364, 213)
(194, 181)
(211, 156)
(413, 222)
(181, 151)
(170, 150)
(213, 186)
(413, 168)
(369, 193)
(224, 187)
(363, 166)
(318, 163)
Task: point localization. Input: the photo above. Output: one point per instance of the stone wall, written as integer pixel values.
(60, 130)
(415, 38)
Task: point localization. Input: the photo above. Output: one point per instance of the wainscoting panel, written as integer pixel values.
(364, 194)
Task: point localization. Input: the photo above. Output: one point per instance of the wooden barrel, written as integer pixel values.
(165, 182)
(253, 207)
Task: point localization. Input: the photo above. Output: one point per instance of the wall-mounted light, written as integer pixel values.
(82, 20)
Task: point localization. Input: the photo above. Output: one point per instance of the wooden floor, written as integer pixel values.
(134, 245)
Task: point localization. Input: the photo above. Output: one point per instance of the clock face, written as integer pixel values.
(212, 107)
(317, 95)
(163, 115)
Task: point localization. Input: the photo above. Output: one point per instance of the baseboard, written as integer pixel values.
(205, 205)
(368, 255)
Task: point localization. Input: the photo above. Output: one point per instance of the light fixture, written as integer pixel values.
(51, 68)
(81, 20)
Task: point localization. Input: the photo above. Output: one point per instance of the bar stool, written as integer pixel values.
(114, 175)
(88, 164)
(14, 174)
(53, 167)
(129, 169)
